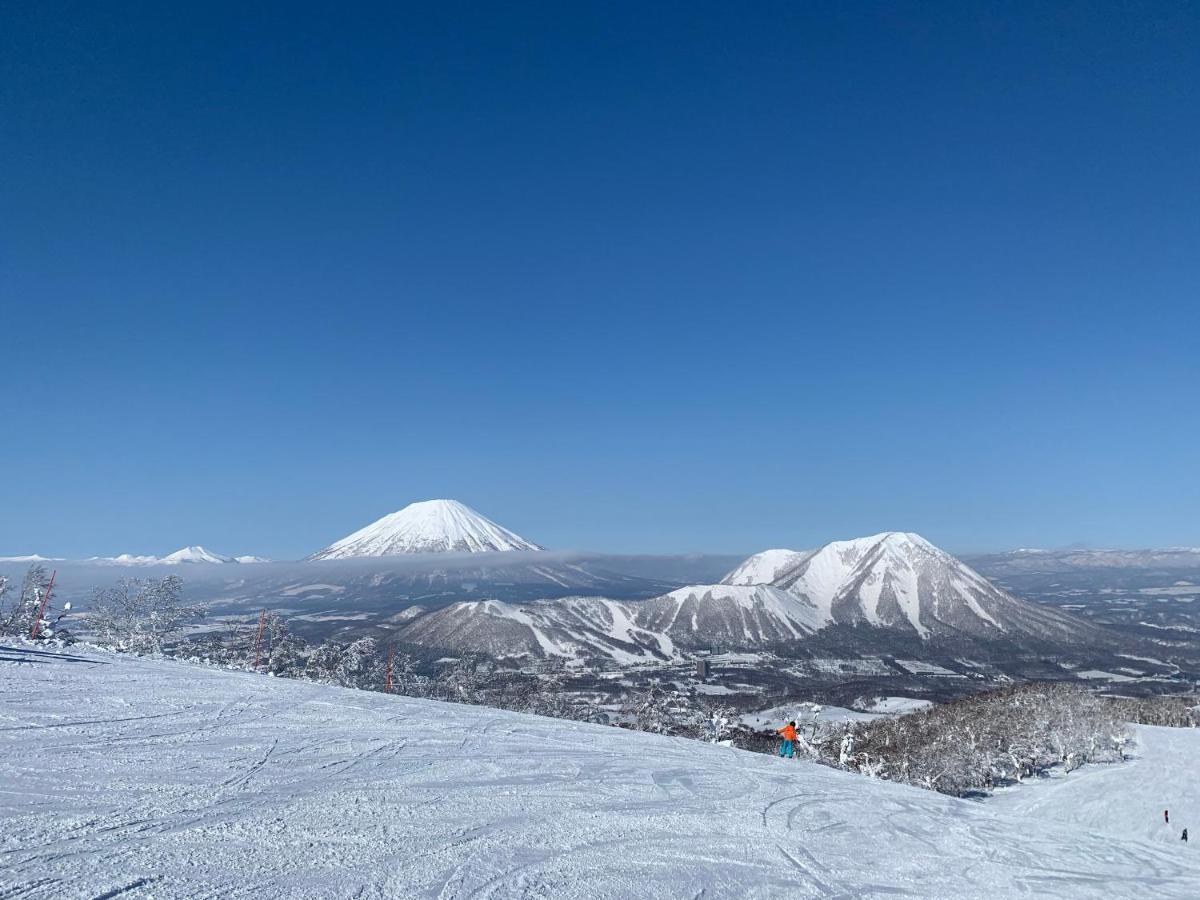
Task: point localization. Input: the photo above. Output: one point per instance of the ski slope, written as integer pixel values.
(1126, 801)
(139, 778)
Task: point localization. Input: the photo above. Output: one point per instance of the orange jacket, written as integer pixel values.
(788, 732)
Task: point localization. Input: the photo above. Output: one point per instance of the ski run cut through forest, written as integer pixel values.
(135, 777)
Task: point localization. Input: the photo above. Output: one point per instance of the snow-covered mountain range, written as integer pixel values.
(892, 582)
(194, 554)
(430, 526)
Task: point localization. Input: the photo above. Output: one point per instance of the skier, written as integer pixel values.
(1167, 816)
(788, 747)
(1184, 836)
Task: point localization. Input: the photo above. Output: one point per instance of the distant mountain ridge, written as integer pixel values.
(193, 555)
(1025, 561)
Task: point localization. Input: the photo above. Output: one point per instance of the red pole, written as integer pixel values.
(262, 621)
(37, 623)
(387, 688)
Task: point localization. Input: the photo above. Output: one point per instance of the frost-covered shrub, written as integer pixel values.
(359, 665)
(19, 609)
(325, 662)
(141, 615)
(976, 742)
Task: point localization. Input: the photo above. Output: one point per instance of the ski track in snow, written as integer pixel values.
(143, 778)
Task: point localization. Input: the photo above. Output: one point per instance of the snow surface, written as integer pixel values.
(430, 526)
(144, 778)
(1124, 801)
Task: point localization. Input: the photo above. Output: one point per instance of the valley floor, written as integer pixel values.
(144, 778)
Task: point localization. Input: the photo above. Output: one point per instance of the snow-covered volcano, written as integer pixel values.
(195, 554)
(430, 526)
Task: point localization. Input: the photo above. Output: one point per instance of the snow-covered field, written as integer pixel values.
(141, 778)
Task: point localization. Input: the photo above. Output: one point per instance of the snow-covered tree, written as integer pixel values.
(360, 666)
(720, 722)
(325, 661)
(977, 742)
(19, 609)
(664, 711)
(460, 682)
(141, 615)
(405, 679)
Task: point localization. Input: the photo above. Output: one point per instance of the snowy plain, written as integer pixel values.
(142, 778)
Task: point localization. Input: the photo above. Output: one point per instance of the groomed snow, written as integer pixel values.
(143, 778)
(1125, 801)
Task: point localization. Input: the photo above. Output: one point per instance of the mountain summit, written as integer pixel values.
(899, 580)
(431, 526)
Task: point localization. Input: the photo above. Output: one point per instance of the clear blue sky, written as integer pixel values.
(627, 277)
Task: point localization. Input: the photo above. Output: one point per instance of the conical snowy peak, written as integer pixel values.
(195, 554)
(431, 526)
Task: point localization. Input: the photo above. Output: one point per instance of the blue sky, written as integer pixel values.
(684, 278)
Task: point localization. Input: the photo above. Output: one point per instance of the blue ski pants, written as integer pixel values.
(787, 748)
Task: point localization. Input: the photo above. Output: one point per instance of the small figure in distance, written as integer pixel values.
(788, 747)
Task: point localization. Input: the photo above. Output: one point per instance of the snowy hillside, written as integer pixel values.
(142, 778)
(630, 631)
(568, 627)
(1125, 801)
(731, 615)
(431, 526)
(766, 567)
